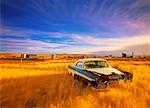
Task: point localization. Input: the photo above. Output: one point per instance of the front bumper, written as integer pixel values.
(126, 76)
(116, 77)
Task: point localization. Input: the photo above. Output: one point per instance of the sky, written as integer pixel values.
(73, 26)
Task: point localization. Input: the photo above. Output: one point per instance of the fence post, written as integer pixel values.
(43, 59)
(20, 62)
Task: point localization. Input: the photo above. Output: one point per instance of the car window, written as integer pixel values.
(96, 64)
(102, 64)
(79, 65)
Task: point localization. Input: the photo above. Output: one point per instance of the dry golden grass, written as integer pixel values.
(46, 85)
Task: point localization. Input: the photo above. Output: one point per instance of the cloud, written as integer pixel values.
(141, 49)
(20, 32)
(117, 18)
(112, 17)
(110, 44)
(81, 26)
(140, 4)
(11, 32)
(23, 32)
(79, 44)
(18, 45)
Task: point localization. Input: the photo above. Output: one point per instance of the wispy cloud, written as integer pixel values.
(74, 26)
(20, 32)
(21, 45)
(111, 16)
(140, 4)
(79, 44)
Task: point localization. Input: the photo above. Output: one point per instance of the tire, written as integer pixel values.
(76, 77)
(82, 82)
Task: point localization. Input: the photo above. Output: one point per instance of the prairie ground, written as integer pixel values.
(46, 85)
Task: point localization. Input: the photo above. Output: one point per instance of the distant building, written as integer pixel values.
(53, 56)
(124, 55)
(23, 55)
(28, 56)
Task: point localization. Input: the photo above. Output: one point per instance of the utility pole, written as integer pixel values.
(132, 54)
(44, 58)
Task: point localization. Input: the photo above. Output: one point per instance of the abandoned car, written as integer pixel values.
(97, 72)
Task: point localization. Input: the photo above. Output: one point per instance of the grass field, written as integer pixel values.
(47, 85)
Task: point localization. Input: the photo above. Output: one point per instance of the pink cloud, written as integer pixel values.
(11, 32)
(141, 27)
(140, 4)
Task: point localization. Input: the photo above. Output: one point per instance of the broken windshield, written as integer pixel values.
(95, 64)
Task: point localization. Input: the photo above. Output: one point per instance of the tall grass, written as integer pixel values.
(46, 84)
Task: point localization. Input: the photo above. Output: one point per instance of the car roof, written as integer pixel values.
(90, 59)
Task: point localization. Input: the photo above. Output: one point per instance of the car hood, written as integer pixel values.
(105, 71)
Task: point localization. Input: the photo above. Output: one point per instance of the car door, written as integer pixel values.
(77, 65)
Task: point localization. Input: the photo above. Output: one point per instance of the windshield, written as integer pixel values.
(95, 64)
